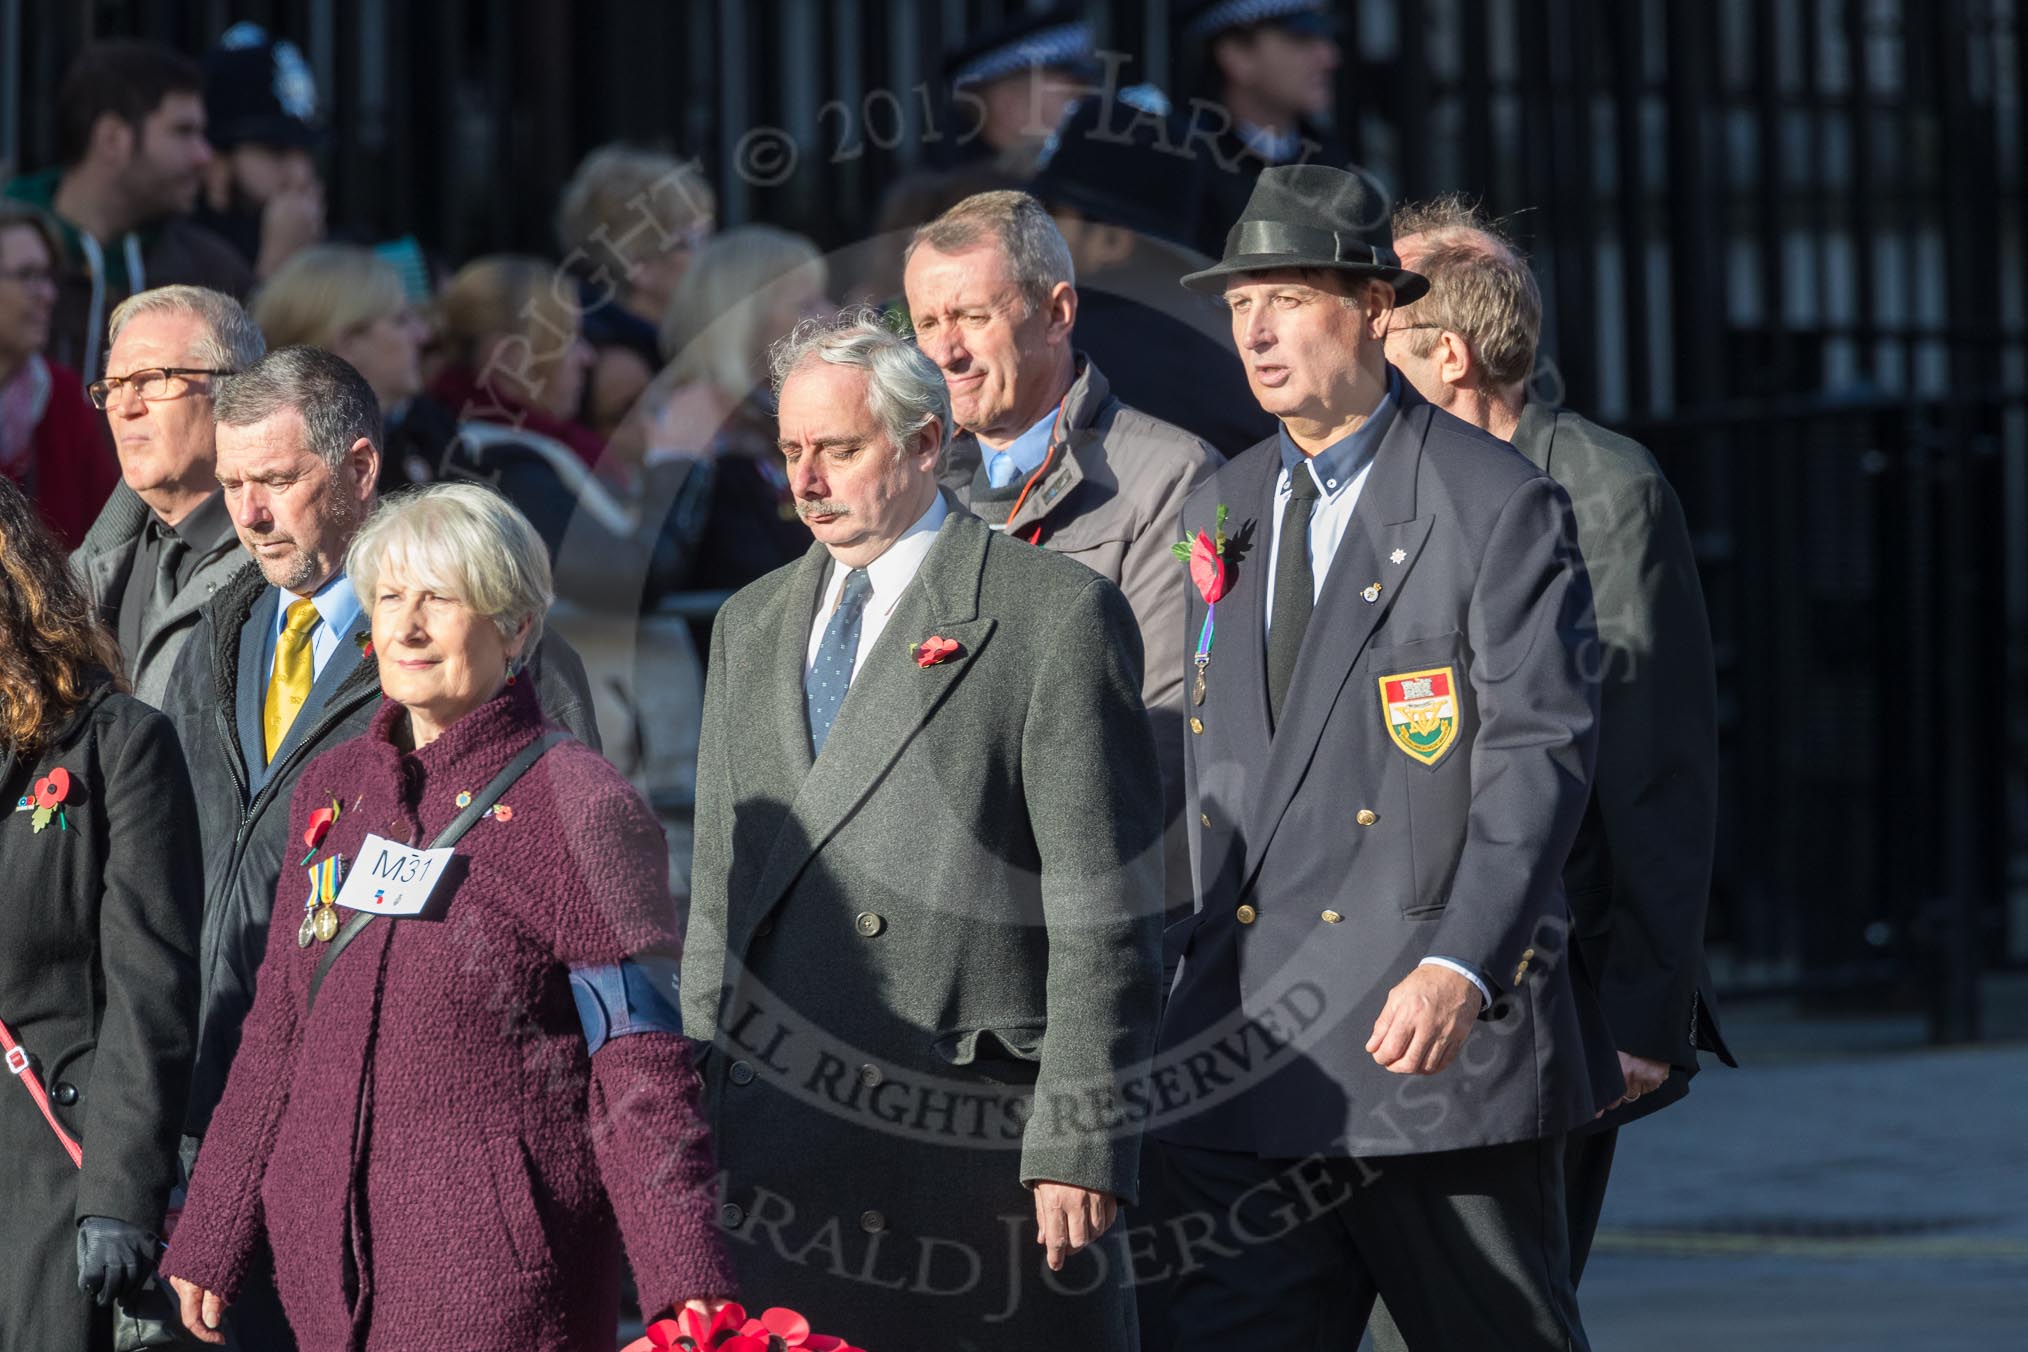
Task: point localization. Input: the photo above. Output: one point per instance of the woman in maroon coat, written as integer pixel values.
(431, 1154)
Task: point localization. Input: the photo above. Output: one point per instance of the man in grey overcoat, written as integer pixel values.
(1375, 1047)
(1639, 875)
(163, 544)
(924, 929)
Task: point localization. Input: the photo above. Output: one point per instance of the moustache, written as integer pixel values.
(806, 510)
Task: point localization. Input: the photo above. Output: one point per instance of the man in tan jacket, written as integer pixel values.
(1046, 453)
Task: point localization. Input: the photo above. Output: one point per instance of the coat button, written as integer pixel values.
(1204, 818)
(739, 1072)
(1332, 917)
(1197, 725)
(1366, 816)
(732, 1215)
(1245, 914)
(764, 928)
(65, 1093)
(870, 1076)
(869, 923)
(872, 1222)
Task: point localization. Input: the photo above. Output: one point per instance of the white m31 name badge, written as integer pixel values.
(392, 879)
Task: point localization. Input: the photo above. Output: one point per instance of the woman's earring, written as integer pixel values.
(513, 669)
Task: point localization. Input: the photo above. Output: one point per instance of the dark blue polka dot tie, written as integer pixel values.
(824, 691)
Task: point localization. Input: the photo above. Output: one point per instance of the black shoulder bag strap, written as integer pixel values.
(481, 803)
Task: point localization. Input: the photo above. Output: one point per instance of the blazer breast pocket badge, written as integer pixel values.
(1420, 709)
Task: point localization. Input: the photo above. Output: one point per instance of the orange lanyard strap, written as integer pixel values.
(1041, 470)
(17, 1061)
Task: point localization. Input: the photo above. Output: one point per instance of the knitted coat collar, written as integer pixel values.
(470, 750)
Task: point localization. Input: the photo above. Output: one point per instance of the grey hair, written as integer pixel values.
(1036, 252)
(338, 407)
(463, 541)
(231, 341)
(1480, 287)
(904, 389)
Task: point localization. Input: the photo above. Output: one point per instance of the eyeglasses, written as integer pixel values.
(28, 276)
(153, 384)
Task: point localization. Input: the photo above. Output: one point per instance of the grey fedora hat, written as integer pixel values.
(1312, 216)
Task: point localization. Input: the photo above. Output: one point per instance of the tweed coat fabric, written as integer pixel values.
(98, 981)
(928, 962)
(1112, 501)
(1331, 858)
(430, 1155)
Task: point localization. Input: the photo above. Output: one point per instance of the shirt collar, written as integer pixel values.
(206, 525)
(896, 568)
(336, 602)
(1030, 448)
(1337, 464)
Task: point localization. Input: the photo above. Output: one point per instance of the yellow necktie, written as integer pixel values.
(293, 676)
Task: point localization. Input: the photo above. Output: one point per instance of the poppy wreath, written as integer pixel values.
(730, 1330)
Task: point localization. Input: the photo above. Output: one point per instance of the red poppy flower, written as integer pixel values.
(1207, 568)
(320, 826)
(934, 649)
(52, 788)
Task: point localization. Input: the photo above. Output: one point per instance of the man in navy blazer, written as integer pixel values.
(1374, 1046)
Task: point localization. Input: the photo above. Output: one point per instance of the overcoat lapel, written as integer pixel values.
(1384, 521)
(252, 688)
(889, 700)
(350, 653)
(792, 647)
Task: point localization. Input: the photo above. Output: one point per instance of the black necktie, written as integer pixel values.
(1295, 588)
(170, 550)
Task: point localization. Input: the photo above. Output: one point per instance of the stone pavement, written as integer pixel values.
(1823, 1198)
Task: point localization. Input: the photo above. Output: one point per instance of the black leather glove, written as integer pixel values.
(114, 1259)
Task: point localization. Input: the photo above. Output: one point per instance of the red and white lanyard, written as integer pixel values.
(17, 1061)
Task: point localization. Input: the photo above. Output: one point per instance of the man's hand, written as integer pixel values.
(1642, 1076)
(202, 1311)
(1067, 1218)
(1425, 1021)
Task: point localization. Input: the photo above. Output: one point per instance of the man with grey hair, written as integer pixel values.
(163, 542)
(1639, 873)
(1045, 452)
(923, 929)
(275, 673)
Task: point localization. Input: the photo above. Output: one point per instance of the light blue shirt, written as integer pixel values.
(1340, 470)
(338, 612)
(1023, 456)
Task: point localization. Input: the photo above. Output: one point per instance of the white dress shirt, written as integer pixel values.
(890, 575)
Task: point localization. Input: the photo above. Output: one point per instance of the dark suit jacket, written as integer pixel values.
(98, 981)
(1460, 569)
(1639, 875)
(953, 913)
